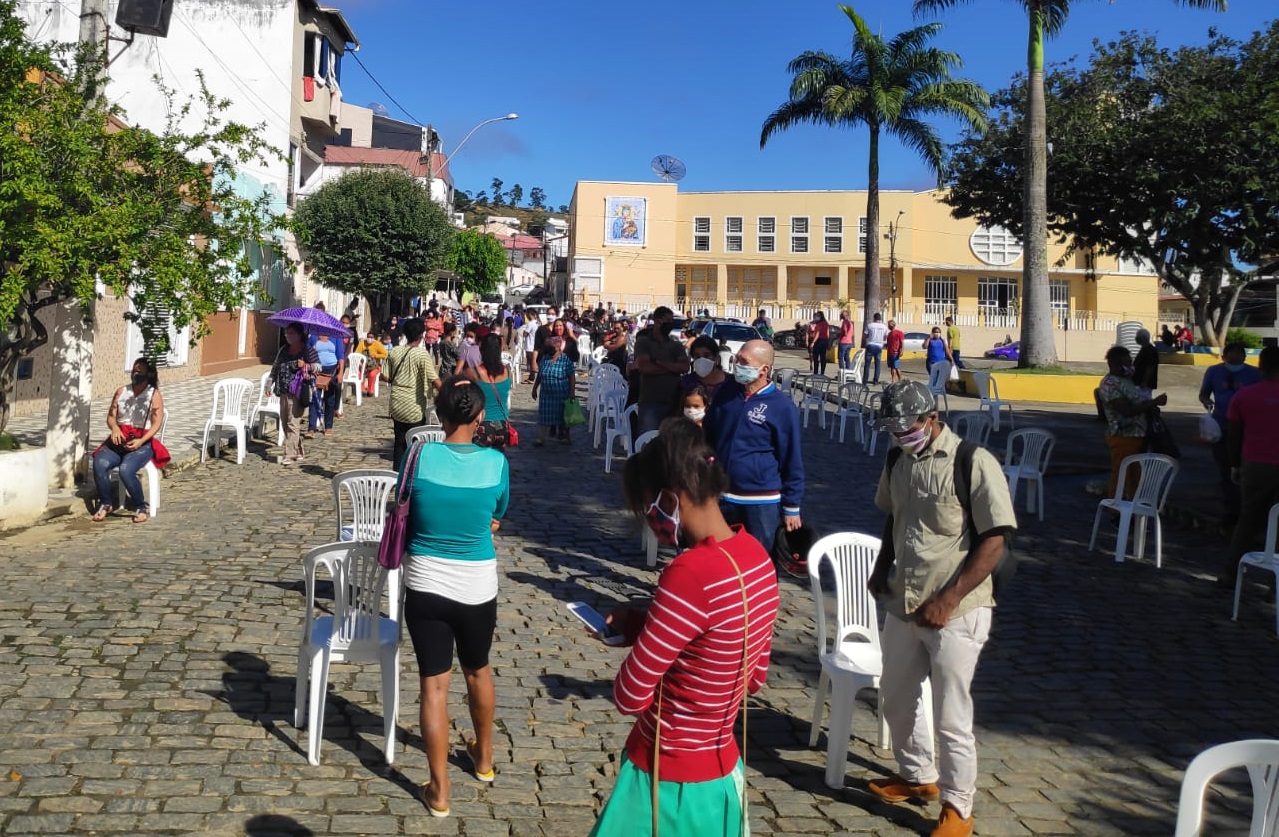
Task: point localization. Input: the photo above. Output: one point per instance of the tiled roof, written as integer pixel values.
(410, 161)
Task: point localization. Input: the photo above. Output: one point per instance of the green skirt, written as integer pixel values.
(687, 809)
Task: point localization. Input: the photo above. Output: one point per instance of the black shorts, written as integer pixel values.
(436, 624)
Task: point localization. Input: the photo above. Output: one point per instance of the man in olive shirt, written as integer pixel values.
(411, 374)
(661, 362)
(952, 340)
(939, 550)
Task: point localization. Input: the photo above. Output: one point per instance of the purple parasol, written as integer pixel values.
(313, 320)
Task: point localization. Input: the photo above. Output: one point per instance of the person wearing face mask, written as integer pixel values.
(659, 362)
(754, 428)
(706, 372)
(616, 343)
(694, 405)
(1253, 447)
(135, 416)
(1125, 409)
(296, 355)
(933, 576)
(468, 352)
(1220, 383)
(702, 644)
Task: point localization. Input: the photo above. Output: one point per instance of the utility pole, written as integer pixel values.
(67, 436)
(891, 235)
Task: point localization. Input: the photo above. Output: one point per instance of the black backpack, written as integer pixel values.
(1007, 566)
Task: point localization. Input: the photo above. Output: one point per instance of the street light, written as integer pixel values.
(430, 165)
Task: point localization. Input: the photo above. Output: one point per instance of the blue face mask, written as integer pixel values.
(1236, 367)
(746, 375)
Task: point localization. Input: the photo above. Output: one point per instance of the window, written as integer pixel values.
(767, 226)
(767, 243)
(995, 245)
(1059, 294)
(733, 243)
(861, 234)
(834, 225)
(822, 280)
(834, 244)
(997, 294)
(941, 297)
(702, 234)
(799, 234)
(733, 224)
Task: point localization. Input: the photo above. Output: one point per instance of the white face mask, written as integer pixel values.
(694, 413)
(703, 366)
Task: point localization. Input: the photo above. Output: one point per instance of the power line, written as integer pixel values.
(385, 92)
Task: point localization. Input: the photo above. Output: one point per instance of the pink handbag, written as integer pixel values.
(395, 531)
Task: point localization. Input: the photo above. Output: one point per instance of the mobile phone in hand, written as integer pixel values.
(593, 620)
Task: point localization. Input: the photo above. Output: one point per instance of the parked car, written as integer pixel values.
(914, 341)
(1005, 351)
(791, 338)
(727, 332)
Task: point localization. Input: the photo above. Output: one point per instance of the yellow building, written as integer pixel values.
(639, 245)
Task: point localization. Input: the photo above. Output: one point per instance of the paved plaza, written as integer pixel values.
(146, 672)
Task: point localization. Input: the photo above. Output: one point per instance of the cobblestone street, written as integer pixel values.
(146, 672)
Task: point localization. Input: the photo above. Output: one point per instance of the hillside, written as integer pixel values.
(476, 213)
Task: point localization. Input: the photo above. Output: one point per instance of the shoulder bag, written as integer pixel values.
(395, 529)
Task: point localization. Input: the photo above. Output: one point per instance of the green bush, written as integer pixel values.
(1242, 335)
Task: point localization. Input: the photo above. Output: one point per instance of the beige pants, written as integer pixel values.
(292, 413)
(913, 653)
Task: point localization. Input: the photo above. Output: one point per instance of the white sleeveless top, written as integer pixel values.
(134, 409)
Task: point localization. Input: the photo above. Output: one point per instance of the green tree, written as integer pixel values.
(889, 87)
(84, 198)
(481, 198)
(563, 210)
(1163, 156)
(516, 194)
(375, 233)
(1046, 18)
(537, 197)
(497, 191)
(479, 260)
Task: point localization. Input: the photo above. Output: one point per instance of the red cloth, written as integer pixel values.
(896, 339)
(1255, 408)
(160, 456)
(308, 88)
(692, 642)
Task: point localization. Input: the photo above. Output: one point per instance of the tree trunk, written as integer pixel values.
(1037, 347)
(872, 295)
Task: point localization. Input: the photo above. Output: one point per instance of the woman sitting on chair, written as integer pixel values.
(136, 414)
(460, 492)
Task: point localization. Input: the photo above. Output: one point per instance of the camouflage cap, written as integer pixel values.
(904, 402)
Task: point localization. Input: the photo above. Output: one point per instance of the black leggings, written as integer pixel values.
(436, 623)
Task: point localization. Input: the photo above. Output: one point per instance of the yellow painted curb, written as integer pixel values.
(1053, 389)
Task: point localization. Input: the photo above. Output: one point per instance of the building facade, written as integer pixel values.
(638, 245)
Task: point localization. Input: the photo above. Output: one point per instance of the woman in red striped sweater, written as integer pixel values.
(704, 640)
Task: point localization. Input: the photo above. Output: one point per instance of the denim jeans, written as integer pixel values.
(129, 464)
(649, 417)
(845, 355)
(872, 352)
(761, 521)
(324, 402)
(819, 356)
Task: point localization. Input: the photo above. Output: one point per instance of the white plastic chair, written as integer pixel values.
(937, 378)
(356, 632)
(815, 399)
(856, 368)
(988, 393)
(360, 498)
(612, 404)
(355, 367)
(229, 412)
(619, 430)
(1260, 561)
(1261, 757)
(850, 655)
(1028, 465)
(785, 379)
(268, 405)
(848, 405)
(1156, 475)
(152, 474)
(870, 433)
(427, 433)
(972, 427)
(512, 360)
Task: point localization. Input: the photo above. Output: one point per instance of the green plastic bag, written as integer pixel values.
(573, 415)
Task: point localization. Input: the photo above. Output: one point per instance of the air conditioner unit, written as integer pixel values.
(145, 17)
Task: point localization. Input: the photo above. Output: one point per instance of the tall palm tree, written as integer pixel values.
(888, 87)
(1047, 17)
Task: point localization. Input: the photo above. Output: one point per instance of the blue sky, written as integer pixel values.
(601, 88)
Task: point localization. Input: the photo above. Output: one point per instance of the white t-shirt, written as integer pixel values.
(527, 332)
(876, 334)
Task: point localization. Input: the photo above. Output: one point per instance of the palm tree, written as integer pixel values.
(889, 87)
(1047, 17)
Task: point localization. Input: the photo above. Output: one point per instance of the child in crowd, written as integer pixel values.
(695, 404)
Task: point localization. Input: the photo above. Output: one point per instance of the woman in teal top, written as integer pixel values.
(460, 492)
(495, 380)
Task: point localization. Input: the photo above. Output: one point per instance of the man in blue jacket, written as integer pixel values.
(754, 428)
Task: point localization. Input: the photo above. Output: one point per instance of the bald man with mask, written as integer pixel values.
(754, 428)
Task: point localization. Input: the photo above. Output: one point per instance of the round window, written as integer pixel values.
(995, 245)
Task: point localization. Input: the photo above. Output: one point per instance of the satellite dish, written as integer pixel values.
(668, 168)
(378, 108)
